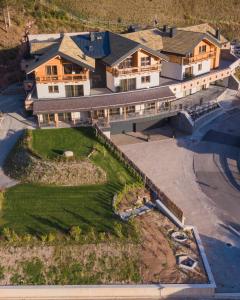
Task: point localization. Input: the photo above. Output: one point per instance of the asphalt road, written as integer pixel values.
(200, 174)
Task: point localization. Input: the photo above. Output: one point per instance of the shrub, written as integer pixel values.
(1, 272)
(51, 237)
(44, 238)
(102, 236)
(27, 238)
(75, 233)
(92, 234)
(118, 229)
(10, 235)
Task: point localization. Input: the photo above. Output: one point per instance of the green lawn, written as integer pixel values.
(36, 209)
(49, 143)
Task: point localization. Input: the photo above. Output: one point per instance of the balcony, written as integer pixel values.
(197, 58)
(134, 70)
(63, 78)
(135, 115)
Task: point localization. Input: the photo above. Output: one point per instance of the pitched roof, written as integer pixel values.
(121, 47)
(67, 49)
(183, 42)
(102, 101)
(97, 47)
(205, 28)
(41, 47)
(150, 38)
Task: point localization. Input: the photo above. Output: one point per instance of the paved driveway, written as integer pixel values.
(201, 176)
(11, 127)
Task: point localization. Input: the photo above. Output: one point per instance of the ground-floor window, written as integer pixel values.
(74, 90)
(149, 106)
(114, 111)
(98, 113)
(64, 117)
(130, 109)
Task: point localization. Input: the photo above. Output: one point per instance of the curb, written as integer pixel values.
(234, 296)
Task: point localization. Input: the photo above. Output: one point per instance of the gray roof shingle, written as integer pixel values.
(102, 101)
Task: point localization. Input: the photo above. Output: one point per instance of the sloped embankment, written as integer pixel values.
(26, 166)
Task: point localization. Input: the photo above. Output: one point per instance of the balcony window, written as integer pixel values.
(145, 79)
(74, 90)
(71, 69)
(202, 49)
(127, 63)
(51, 70)
(200, 67)
(145, 61)
(53, 89)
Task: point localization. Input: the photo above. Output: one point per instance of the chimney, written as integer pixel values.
(173, 31)
(217, 34)
(165, 28)
(92, 36)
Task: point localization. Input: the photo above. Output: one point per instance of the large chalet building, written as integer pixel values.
(123, 81)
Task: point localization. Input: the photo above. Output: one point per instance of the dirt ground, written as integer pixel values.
(157, 253)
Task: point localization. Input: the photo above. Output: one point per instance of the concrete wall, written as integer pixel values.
(42, 89)
(114, 82)
(154, 291)
(141, 124)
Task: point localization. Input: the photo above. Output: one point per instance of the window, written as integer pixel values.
(53, 89)
(114, 111)
(127, 63)
(200, 67)
(145, 79)
(51, 70)
(130, 109)
(74, 90)
(71, 69)
(202, 48)
(149, 106)
(145, 61)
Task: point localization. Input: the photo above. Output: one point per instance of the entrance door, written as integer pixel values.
(134, 127)
(128, 84)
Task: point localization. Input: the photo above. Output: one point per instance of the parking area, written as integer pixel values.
(202, 178)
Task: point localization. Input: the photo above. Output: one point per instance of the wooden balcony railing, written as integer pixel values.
(63, 77)
(203, 56)
(118, 72)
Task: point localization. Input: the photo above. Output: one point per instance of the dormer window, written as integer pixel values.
(145, 61)
(202, 49)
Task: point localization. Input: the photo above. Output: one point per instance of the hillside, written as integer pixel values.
(77, 15)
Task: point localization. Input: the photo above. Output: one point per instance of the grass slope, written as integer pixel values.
(38, 209)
